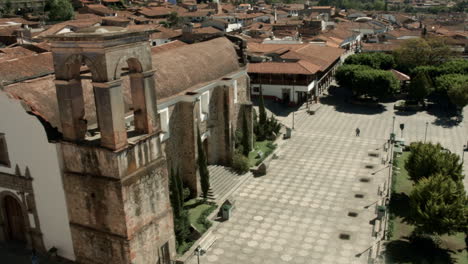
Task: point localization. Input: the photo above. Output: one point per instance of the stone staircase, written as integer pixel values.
(224, 182)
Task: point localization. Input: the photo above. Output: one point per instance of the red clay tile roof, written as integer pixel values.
(318, 55)
(399, 75)
(155, 11)
(299, 67)
(25, 68)
(100, 9)
(206, 30)
(14, 53)
(167, 46)
(177, 71)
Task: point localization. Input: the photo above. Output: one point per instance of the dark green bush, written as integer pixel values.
(240, 163)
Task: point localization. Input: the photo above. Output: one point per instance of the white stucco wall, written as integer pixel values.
(28, 146)
(277, 90)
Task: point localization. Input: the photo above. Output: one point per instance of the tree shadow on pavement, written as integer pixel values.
(419, 250)
(399, 205)
(340, 99)
(446, 115)
(277, 108)
(405, 113)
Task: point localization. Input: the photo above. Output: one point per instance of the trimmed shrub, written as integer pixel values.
(240, 163)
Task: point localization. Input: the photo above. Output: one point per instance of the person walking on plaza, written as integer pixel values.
(358, 132)
(34, 257)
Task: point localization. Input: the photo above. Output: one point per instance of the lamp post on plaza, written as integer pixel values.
(295, 101)
(393, 125)
(463, 152)
(425, 133)
(199, 252)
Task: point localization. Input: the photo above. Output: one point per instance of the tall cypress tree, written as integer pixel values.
(203, 167)
(262, 118)
(245, 136)
(174, 195)
(180, 184)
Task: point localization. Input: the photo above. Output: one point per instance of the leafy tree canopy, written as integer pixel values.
(438, 206)
(427, 159)
(458, 95)
(60, 10)
(345, 73)
(422, 51)
(375, 60)
(447, 81)
(365, 81)
(420, 87)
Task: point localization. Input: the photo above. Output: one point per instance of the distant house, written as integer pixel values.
(100, 10)
(196, 16)
(154, 12)
(292, 9)
(292, 73)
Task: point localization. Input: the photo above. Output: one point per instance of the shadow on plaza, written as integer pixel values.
(417, 250)
(340, 98)
(399, 205)
(277, 108)
(446, 114)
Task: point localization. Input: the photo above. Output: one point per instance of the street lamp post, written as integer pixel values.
(463, 152)
(425, 133)
(393, 125)
(199, 252)
(295, 101)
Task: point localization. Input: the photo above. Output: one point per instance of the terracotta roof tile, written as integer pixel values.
(25, 68)
(299, 67)
(177, 71)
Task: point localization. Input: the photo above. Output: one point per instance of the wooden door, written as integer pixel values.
(165, 255)
(15, 229)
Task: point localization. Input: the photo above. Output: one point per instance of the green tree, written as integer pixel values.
(375, 60)
(182, 227)
(173, 20)
(175, 194)
(246, 146)
(60, 10)
(240, 163)
(422, 51)
(180, 188)
(427, 159)
(345, 74)
(459, 66)
(458, 95)
(447, 81)
(420, 87)
(181, 220)
(262, 117)
(203, 167)
(374, 83)
(8, 7)
(379, 5)
(438, 206)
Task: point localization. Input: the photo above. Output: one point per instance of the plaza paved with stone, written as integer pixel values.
(296, 213)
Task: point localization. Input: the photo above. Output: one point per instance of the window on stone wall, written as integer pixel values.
(164, 116)
(4, 158)
(235, 91)
(204, 105)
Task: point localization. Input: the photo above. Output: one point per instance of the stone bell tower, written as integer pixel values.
(115, 178)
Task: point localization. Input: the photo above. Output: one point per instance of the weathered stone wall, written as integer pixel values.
(146, 199)
(126, 214)
(181, 145)
(96, 247)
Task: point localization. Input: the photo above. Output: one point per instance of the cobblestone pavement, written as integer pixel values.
(296, 213)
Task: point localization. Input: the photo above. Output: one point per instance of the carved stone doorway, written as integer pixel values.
(14, 227)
